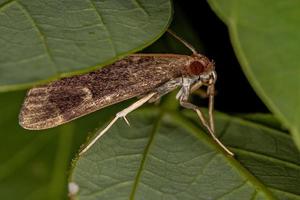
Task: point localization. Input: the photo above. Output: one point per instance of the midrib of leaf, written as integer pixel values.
(58, 182)
(142, 164)
(181, 121)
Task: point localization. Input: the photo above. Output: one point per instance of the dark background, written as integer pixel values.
(198, 24)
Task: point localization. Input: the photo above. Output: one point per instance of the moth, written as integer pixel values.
(149, 76)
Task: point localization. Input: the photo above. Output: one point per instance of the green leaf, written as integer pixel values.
(44, 40)
(163, 155)
(34, 164)
(265, 35)
(264, 119)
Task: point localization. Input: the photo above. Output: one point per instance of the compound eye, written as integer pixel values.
(196, 68)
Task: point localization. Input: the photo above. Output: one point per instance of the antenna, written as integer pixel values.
(188, 45)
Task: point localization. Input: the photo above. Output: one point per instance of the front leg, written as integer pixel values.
(211, 94)
(201, 116)
(183, 99)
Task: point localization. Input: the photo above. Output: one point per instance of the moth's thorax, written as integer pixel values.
(198, 65)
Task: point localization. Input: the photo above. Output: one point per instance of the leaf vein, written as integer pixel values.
(284, 192)
(105, 27)
(43, 37)
(146, 152)
(6, 3)
(230, 191)
(139, 5)
(264, 156)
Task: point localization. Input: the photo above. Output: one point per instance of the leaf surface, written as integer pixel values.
(163, 155)
(42, 40)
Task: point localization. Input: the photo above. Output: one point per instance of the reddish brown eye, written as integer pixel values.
(196, 68)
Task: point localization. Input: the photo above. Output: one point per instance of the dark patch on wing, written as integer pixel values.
(66, 99)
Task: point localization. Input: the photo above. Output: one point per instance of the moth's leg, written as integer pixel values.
(205, 124)
(196, 89)
(184, 103)
(183, 96)
(201, 93)
(121, 114)
(196, 86)
(211, 94)
(185, 89)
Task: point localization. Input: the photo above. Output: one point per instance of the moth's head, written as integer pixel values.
(203, 68)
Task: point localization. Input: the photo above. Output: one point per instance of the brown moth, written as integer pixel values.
(149, 76)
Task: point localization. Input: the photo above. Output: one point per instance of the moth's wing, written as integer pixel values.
(46, 107)
(69, 98)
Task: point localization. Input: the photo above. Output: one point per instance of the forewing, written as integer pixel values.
(69, 98)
